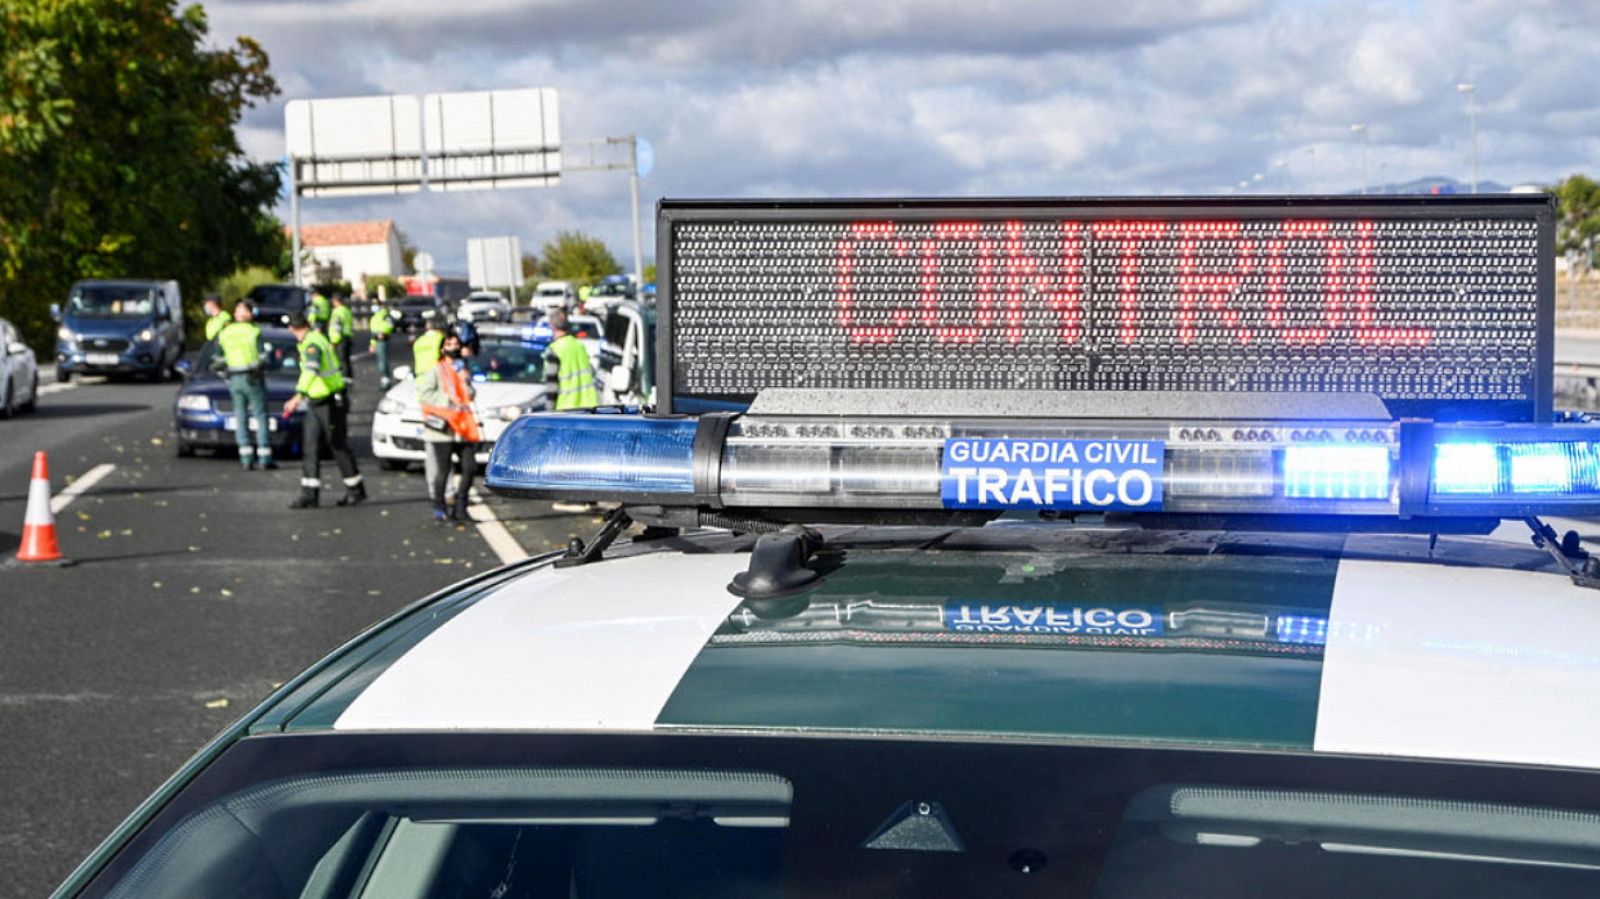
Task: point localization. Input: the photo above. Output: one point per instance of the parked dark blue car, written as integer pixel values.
(120, 328)
(204, 413)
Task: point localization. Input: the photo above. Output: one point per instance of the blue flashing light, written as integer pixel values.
(600, 454)
(1465, 468)
(1301, 629)
(1336, 472)
(1540, 468)
(1536, 468)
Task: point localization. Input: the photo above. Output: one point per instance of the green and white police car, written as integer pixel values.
(1023, 548)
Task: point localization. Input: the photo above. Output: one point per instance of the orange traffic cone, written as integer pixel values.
(39, 523)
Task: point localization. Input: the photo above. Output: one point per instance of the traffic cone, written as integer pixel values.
(39, 523)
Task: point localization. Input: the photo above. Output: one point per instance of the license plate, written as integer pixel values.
(1091, 475)
(101, 358)
(231, 423)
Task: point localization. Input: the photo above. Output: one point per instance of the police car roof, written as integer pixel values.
(1470, 649)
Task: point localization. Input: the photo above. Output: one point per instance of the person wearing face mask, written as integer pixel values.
(450, 427)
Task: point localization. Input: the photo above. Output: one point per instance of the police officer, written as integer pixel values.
(321, 390)
(425, 349)
(241, 358)
(320, 312)
(381, 326)
(567, 368)
(216, 319)
(342, 332)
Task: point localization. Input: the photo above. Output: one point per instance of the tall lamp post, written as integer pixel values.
(1471, 90)
(1366, 180)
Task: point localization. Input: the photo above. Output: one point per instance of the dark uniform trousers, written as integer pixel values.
(343, 349)
(325, 431)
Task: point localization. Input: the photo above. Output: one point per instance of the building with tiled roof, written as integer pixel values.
(358, 249)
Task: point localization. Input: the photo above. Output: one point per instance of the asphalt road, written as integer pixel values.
(196, 591)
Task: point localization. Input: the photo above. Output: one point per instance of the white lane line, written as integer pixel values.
(493, 532)
(79, 487)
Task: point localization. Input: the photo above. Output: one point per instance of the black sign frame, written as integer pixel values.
(1539, 208)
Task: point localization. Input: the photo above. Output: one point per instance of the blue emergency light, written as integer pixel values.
(753, 462)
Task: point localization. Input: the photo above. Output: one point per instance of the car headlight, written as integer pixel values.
(388, 406)
(512, 413)
(65, 333)
(145, 336)
(194, 402)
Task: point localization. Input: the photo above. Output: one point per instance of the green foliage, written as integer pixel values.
(1577, 212)
(118, 156)
(530, 267)
(391, 286)
(236, 286)
(649, 273)
(408, 251)
(577, 257)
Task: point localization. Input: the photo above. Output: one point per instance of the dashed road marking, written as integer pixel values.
(80, 486)
(494, 533)
(50, 387)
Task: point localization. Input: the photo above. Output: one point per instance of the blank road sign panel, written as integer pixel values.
(485, 139)
(353, 145)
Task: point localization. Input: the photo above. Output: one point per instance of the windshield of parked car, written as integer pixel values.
(112, 301)
(288, 299)
(281, 354)
(513, 361)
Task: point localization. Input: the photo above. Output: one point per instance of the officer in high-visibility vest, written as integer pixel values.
(321, 390)
(216, 319)
(320, 312)
(242, 360)
(381, 326)
(342, 332)
(425, 349)
(567, 367)
(450, 427)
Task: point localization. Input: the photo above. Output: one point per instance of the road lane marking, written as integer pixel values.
(79, 487)
(48, 387)
(493, 532)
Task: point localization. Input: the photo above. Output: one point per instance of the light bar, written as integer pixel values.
(813, 464)
(594, 456)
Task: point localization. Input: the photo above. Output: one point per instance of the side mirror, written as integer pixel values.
(55, 311)
(400, 372)
(184, 367)
(16, 348)
(620, 380)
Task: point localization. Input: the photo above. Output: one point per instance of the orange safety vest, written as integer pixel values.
(459, 414)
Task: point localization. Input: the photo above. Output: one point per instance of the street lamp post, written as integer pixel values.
(1471, 90)
(1366, 180)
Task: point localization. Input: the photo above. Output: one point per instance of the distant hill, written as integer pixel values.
(1437, 184)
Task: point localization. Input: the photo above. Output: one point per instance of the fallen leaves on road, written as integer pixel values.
(217, 704)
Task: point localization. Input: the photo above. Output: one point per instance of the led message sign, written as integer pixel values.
(1441, 307)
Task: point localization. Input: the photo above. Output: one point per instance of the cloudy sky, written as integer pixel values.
(760, 98)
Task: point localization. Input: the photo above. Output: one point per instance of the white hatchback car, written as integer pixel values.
(19, 373)
(508, 376)
(484, 306)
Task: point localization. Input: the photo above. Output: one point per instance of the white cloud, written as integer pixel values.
(955, 97)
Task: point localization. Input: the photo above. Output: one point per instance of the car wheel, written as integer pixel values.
(63, 376)
(393, 464)
(33, 395)
(8, 409)
(185, 450)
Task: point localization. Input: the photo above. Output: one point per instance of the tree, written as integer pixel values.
(649, 273)
(392, 288)
(236, 286)
(530, 266)
(1577, 212)
(575, 256)
(408, 251)
(118, 155)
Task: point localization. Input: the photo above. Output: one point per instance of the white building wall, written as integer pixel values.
(361, 260)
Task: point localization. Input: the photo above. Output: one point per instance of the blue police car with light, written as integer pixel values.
(1110, 547)
(203, 412)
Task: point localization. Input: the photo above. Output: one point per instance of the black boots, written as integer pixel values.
(306, 500)
(354, 495)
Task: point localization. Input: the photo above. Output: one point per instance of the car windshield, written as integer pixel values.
(587, 329)
(279, 349)
(112, 301)
(275, 297)
(512, 361)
